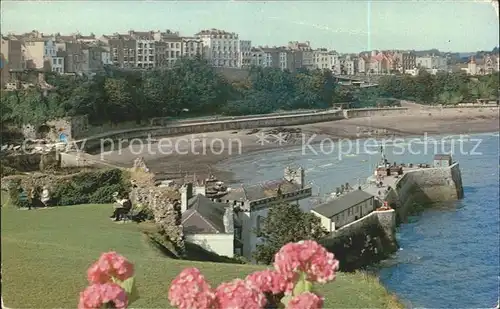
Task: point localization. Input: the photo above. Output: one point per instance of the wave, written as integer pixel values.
(325, 165)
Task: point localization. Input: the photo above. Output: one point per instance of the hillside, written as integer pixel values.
(46, 252)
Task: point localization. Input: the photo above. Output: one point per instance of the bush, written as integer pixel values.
(7, 171)
(94, 187)
(14, 189)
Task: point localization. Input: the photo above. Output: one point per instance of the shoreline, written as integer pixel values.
(196, 159)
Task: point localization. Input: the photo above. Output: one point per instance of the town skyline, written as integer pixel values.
(348, 28)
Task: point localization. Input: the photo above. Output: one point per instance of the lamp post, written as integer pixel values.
(317, 198)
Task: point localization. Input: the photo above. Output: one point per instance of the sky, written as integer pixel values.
(345, 26)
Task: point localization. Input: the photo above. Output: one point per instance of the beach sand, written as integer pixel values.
(198, 154)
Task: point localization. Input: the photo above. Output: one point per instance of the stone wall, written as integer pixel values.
(71, 127)
(426, 186)
(213, 126)
(162, 202)
(372, 238)
(371, 112)
(364, 241)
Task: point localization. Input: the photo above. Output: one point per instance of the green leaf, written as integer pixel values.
(303, 285)
(129, 287)
(286, 299)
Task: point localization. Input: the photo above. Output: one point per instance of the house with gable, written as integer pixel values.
(211, 225)
(347, 208)
(252, 202)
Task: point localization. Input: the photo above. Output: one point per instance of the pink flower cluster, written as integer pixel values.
(97, 295)
(189, 290)
(239, 294)
(102, 290)
(268, 281)
(306, 300)
(308, 257)
(110, 265)
(304, 260)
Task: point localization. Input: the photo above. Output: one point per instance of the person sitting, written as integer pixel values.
(122, 207)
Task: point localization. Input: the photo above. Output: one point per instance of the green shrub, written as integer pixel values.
(94, 187)
(14, 188)
(7, 171)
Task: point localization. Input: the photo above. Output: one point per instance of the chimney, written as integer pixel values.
(186, 193)
(229, 220)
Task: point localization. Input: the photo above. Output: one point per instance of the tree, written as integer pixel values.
(285, 223)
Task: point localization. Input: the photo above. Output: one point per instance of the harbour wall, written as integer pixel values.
(364, 241)
(424, 187)
(372, 238)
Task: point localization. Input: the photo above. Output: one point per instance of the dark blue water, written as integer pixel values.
(449, 255)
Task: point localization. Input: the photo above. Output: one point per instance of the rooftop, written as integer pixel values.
(204, 216)
(262, 190)
(344, 202)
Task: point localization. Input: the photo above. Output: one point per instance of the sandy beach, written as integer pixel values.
(181, 156)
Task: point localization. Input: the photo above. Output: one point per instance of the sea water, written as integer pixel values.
(449, 255)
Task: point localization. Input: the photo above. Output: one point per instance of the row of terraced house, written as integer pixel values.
(86, 54)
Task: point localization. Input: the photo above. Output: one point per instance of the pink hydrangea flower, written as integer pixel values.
(268, 281)
(110, 265)
(306, 256)
(189, 290)
(239, 294)
(306, 300)
(97, 295)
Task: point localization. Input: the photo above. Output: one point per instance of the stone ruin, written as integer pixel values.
(140, 165)
(163, 202)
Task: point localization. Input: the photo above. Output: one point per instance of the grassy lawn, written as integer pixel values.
(46, 252)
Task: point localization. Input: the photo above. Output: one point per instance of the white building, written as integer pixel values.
(145, 53)
(170, 44)
(222, 47)
(283, 60)
(106, 57)
(208, 224)
(257, 57)
(324, 59)
(432, 62)
(345, 209)
(348, 65)
(252, 203)
(191, 47)
(245, 56)
(50, 48)
(57, 64)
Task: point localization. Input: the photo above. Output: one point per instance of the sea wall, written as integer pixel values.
(364, 241)
(423, 187)
(371, 112)
(211, 126)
